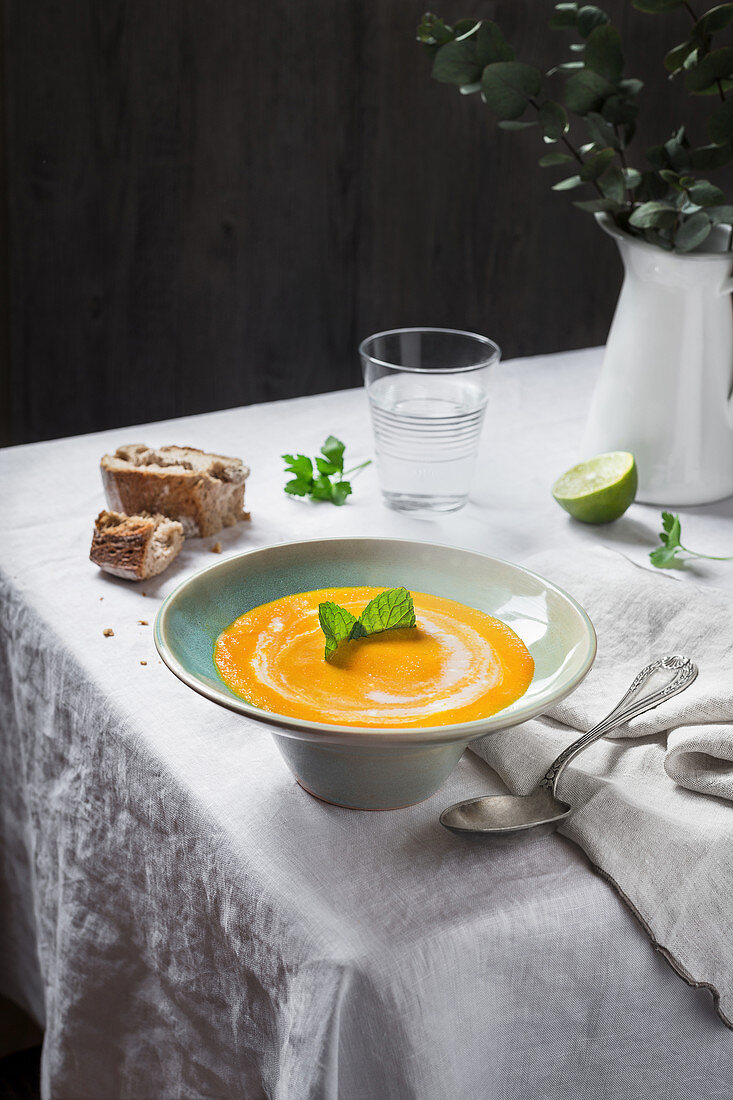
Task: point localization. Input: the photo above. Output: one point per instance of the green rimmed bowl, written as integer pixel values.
(375, 769)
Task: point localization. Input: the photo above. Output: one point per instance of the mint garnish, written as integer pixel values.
(390, 610)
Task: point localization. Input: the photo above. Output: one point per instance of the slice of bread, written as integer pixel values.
(135, 547)
(204, 492)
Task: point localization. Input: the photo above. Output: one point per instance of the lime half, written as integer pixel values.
(599, 490)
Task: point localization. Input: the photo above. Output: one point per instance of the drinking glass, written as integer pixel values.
(427, 390)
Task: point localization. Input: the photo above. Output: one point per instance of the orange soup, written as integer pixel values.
(458, 664)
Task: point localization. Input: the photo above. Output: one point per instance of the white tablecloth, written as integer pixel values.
(187, 922)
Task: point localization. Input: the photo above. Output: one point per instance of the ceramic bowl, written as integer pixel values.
(375, 768)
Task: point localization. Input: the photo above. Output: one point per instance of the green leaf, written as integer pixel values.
(692, 232)
(586, 91)
(299, 465)
(657, 156)
(340, 491)
(565, 15)
(677, 150)
(720, 215)
(298, 487)
(612, 183)
(632, 178)
(652, 215)
(601, 131)
(716, 19)
(516, 124)
(508, 85)
(666, 556)
(390, 610)
(337, 624)
(597, 206)
(675, 59)
(710, 156)
(321, 488)
(326, 468)
(568, 184)
(464, 28)
(333, 450)
(589, 18)
(714, 66)
(603, 53)
(596, 164)
(651, 187)
(705, 194)
(432, 31)
(491, 45)
(551, 159)
(457, 63)
(553, 120)
(720, 126)
(620, 110)
(656, 7)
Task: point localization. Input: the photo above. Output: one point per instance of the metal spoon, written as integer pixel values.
(507, 814)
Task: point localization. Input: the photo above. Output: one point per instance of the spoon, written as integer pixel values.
(508, 814)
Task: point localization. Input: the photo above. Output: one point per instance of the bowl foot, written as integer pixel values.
(369, 777)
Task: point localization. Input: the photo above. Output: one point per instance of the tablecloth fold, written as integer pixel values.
(652, 807)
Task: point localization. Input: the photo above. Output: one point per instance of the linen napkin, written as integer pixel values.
(653, 807)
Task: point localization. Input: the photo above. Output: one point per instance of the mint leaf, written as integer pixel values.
(387, 611)
(336, 623)
(390, 610)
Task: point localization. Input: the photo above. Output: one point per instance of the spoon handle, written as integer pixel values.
(629, 707)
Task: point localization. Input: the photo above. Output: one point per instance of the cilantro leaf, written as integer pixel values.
(670, 554)
(329, 466)
(336, 623)
(333, 451)
(390, 610)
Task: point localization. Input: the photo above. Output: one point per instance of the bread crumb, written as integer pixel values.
(143, 662)
(144, 593)
(216, 548)
(108, 632)
(101, 597)
(142, 622)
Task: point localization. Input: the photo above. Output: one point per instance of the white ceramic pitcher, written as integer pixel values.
(664, 392)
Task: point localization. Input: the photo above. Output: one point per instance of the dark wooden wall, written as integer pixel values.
(211, 201)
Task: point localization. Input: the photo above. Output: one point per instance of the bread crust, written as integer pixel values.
(134, 547)
(202, 491)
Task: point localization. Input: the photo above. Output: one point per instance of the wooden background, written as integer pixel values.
(210, 202)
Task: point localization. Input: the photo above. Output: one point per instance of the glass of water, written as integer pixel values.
(427, 390)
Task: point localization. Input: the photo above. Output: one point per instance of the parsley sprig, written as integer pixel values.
(320, 484)
(670, 555)
(389, 610)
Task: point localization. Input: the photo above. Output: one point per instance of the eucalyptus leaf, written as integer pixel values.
(551, 159)
(433, 32)
(603, 54)
(491, 45)
(553, 120)
(720, 215)
(456, 63)
(568, 184)
(589, 18)
(632, 178)
(596, 164)
(710, 156)
(692, 232)
(470, 89)
(564, 15)
(586, 91)
(517, 124)
(508, 85)
(601, 131)
(652, 215)
(706, 194)
(464, 28)
(716, 19)
(657, 156)
(675, 59)
(597, 206)
(714, 66)
(620, 110)
(612, 183)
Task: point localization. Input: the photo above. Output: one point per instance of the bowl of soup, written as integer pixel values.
(383, 721)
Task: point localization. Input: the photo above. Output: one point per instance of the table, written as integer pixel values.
(187, 922)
